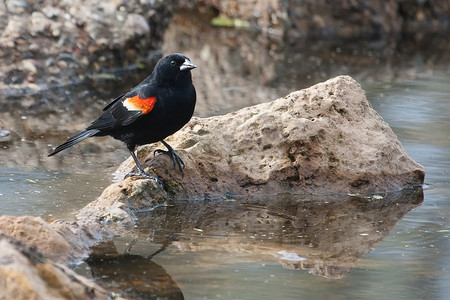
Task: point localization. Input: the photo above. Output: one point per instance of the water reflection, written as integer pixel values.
(325, 237)
(135, 277)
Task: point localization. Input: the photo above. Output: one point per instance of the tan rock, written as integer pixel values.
(35, 232)
(119, 202)
(324, 139)
(59, 241)
(26, 274)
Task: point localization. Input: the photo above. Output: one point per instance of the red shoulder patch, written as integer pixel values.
(145, 105)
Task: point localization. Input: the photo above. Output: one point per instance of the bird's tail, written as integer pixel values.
(75, 140)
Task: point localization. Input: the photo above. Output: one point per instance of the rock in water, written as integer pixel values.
(323, 139)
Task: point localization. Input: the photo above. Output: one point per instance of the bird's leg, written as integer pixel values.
(176, 159)
(141, 170)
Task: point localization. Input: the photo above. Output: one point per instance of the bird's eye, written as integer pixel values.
(173, 63)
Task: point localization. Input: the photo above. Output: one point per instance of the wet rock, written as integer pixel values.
(59, 241)
(120, 202)
(26, 274)
(324, 139)
(34, 231)
(228, 79)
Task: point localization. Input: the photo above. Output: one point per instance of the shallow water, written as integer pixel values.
(44, 193)
(394, 247)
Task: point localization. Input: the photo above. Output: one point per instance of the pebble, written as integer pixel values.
(5, 135)
(29, 66)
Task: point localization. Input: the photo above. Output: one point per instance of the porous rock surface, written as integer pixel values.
(323, 139)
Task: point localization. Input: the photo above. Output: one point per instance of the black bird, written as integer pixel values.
(157, 107)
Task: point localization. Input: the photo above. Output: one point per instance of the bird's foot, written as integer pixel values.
(145, 174)
(176, 159)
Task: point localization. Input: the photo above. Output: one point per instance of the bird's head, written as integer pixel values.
(174, 69)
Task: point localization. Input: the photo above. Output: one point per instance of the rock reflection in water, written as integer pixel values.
(326, 237)
(331, 233)
(134, 277)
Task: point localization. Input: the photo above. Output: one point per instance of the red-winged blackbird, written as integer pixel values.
(156, 108)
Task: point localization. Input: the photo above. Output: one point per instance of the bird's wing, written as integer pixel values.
(114, 101)
(127, 108)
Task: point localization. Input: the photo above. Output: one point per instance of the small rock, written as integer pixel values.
(38, 23)
(29, 66)
(51, 11)
(16, 6)
(5, 136)
(34, 47)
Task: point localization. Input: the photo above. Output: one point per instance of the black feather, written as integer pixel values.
(75, 140)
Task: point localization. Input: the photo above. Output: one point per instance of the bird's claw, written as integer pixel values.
(160, 151)
(176, 159)
(145, 174)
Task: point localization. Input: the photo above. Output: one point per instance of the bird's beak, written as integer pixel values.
(187, 65)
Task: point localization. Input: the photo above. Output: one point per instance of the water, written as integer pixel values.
(416, 250)
(396, 247)
(43, 193)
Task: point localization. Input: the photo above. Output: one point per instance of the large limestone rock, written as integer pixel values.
(324, 139)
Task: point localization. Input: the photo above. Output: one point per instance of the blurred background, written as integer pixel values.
(63, 61)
